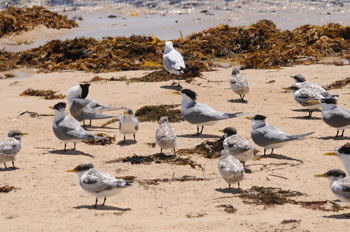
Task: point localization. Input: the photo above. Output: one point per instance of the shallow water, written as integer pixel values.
(174, 18)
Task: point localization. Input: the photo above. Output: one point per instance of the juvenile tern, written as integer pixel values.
(230, 168)
(238, 146)
(128, 123)
(239, 84)
(68, 129)
(269, 136)
(10, 147)
(165, 135)
(86, 108)
(200, 114)
(98, 183)
(173, 61)
(301, 82)
(339, 183)
(343, 154)
(333, 115)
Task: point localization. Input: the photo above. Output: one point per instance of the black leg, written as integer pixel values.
(104, 201)
(13, 164)
(124, 138)
(242, 97)
(201, 130)
(5, 165)
(271, 151)
(90, 122)
(342, 134)
(229, 186)
(65, 147)
(161, 150)
(134, 138)
(239, 185)
(264, 151)
(96, 203)
(337, 133)
(310, 113)
(74, 146)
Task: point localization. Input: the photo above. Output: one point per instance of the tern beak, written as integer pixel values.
(286, 88)
(24, 133)
(51, 107)
(320, 175)
(248, 117)
(314, 102)
(291, 77)
(221, 131)
(72, 170)
(331, 153)
(176, 92)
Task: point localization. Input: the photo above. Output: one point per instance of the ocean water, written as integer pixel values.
(170, 19)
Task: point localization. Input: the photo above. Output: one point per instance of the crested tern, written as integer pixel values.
(10, 146)
(98, 183)
(269, 136)
(173, 61)
(333, 115)
(200, 114)
(230, 168)
(238, 146)
(301, 82)
(128, 123)
(239, 84)
(86, 108)
(165, 135)
(339, 183)
(343, 154)
(68, 129)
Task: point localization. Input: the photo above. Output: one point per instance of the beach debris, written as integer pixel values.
(7, 189)
(196, 215)
(34, 114)
(46, 94)
(338, 84)
(290, 221)
(228, 208)
(153, 113)
(15, 20)
(109, 140)
(156, 158)
(185, 178)
(110, 122)
(208, 149)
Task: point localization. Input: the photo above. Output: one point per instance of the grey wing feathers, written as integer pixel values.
(9, 146)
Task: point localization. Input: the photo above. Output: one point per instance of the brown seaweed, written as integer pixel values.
(228, 208)
(14, 20)
(339, 84)
(107, 141)
(46, 94)
(157, 181)
(153, 113)
(7, 189)
(208, 149)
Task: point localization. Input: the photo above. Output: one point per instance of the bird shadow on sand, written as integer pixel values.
(70, 152)
(238, 101)
(101, 207)
(204, 136)
(173, 87)
(8, 169)
(126, 143)
(306, 118)
(233, 191)
(339, 216)
(279, 156)
(334, 138)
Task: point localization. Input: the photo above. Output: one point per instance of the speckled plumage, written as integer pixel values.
(10, 147)
(239, 84)
(165, 135)
(230, 168)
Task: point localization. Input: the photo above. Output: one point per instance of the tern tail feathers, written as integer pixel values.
(300, 135)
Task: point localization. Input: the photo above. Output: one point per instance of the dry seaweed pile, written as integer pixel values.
(207, 149)
(156, 158)
(15, 20)
(46, 94)
(339, 84)
(153, 113)
(174, 179)
(7, 189)
(107, 141)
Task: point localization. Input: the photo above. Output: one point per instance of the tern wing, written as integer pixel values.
(71, 128)
(342, 187)
(9, 146)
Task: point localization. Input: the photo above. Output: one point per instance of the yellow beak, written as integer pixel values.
(24, 133)
(286, 88)
(320, 175)
(331, 153)
(314, 102)
(72, 170)
(176, 92)
(51, 107)
(248, 117)
(292, 77)
(221, 131)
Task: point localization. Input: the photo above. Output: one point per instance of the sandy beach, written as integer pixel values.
(49, 199)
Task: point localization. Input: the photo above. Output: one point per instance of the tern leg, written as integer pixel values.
(264, 151)
(337, 133)
(74, 146)
(239, 185)
(13, 164)
(65, 147)
(5, 165)
(90, 122)
(242, 97)
(104, 201)
(310, 113)
(272, 151)
(342, 134)
(229, 186)
(134, 138)
(96, 203)
(161, 150)
(124, 138)
(243, 163)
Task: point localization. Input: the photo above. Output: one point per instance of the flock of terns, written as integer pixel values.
(237, 150)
